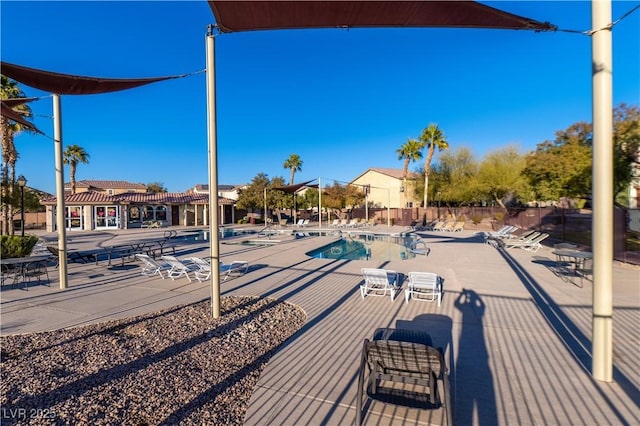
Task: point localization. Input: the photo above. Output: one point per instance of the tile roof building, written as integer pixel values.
(122, 205)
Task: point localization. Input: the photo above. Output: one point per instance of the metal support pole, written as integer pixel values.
(22, 210)
(602, 223)
(60, 208)
(213, 173)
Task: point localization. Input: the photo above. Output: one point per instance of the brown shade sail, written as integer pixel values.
(290, 189)
(65, 84)
(232, 16)
(9, 113)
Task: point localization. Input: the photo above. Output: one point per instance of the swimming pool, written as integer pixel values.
(368, 247)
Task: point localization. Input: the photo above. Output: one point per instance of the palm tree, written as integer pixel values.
(294, 164)
(410, 151)
(73, 155)
(431, 137)
(9, 89)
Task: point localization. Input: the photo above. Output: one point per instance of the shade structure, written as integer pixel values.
(233, 16)
(66, 84)
(8, 112)
(291, 189)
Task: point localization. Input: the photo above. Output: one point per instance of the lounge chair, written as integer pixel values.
(72, 255)
(425, 286)
(335, 223)
(457, 227)
(235, 267)
(353, 223)
(529, 244)
(377, 282)
(300, 223)
(151, 267)
(435, 226)
(403, 368)
(448, 226)
(178, 268)
(343, 223)
(203, 271)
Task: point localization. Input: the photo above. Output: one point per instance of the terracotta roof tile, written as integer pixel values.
(137, 198)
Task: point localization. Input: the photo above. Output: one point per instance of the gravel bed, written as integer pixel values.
(178, 366)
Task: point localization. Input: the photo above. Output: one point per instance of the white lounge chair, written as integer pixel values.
(178, 268)
(529, 244)
(377, 282)
(151, 267)
(235, 267)
(203, 271)
(425, 286)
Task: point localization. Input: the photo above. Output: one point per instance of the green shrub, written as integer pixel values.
(16, 246)
(500, 217)
(476, 218)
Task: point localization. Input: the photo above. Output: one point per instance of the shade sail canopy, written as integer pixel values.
(7, 111)
(290, 189)
(65, 84)
(232, 16)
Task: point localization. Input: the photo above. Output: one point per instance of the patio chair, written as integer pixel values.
(177, 267)
(403, 369)
(377, 282)
(424, 286)
(151, 267)
(36, 270)
(335, 223)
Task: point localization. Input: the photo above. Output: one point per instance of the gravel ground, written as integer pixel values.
(178, 366)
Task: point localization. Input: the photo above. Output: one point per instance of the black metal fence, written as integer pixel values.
(562, 224)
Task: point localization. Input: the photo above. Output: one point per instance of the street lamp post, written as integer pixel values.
(21, 183)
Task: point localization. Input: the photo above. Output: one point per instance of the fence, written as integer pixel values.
(562, 224)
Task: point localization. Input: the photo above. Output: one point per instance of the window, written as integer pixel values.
(74, 219)
(107, 216)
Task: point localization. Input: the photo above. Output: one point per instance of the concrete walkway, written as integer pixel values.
(517, 337)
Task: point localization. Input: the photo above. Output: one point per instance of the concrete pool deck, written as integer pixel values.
(517, 337)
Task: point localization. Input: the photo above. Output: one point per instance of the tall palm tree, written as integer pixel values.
(432, 137)
(294, 164)
(73, 155)
(9, 89)
(410, 151)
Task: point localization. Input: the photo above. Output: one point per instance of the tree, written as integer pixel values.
(626, 143)
(409, 151)
(294, 164)
(9, 89)
(73, 155)
(454, 178)
(432, 137)
(156, 187)
(500, 176)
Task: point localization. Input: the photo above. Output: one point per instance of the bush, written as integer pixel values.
(16, 246)
(476, 218)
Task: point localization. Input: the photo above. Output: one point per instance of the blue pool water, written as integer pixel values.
(368, 247)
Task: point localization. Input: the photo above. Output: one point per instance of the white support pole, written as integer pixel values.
(213, 173)
(602, 222)
(60, 208)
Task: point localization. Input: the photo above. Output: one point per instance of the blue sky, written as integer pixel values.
(342, 100)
